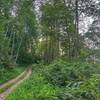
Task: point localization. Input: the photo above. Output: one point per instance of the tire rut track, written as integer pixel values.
(14, 83)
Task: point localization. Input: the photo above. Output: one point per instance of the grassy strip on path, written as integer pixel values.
(5, 88)
(10, 86)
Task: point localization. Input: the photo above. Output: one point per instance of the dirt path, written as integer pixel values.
(14, 83)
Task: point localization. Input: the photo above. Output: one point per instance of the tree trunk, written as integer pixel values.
(77, 30)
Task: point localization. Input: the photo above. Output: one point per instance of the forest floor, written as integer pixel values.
(61, 80)
(8, 87)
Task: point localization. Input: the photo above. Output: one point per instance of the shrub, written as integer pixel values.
(34, 88)
(86, 90)
(25, 58)
(55, 82)
(7, 74)
(61, 73)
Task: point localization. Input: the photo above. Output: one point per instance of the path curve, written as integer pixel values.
(15, 82)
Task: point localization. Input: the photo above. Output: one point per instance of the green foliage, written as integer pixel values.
(68, 81)
(61, 73)
(5, 60)
(25, 58)
(57, 37)
(83, 90)
(5, 6)
(7, 74)
(35, 88)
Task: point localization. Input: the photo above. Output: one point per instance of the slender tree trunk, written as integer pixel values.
(46, 50)
(77, 30)
(19, 49)
(68, 34)
(13, 45)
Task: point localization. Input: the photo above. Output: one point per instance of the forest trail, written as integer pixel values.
(12, 84)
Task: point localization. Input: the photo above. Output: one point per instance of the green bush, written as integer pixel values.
(25, 58)
(85, 90)
(34, 88)
(9, 73)
(61, 73)
(60, 81)
(28, 58)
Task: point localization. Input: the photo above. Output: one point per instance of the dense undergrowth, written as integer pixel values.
(9, 73)
(60, 81)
